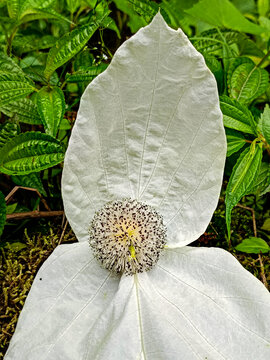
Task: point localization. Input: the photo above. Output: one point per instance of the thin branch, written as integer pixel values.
(63, 232)
(16, 188)
(34, 214)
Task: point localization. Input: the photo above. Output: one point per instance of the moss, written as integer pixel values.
(19, 263)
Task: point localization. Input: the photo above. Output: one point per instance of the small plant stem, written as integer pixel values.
(255, 234)
(264, 58)
(34, 214)
(10, 40)
(63, 232)
(253, 217)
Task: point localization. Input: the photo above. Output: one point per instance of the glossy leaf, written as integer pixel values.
(148, 9)
(30, 152)
(253, 245)
(237, 116)
(248, 82)
(24, 110)
(3, 211)
(262, 183)
(7, 131)
(87, 74)
(243, 177)
(213, 40)
(235, 141)
(14, 86)
(70, 44)
(7, 65)
(51, 108)
(31, 180)
(266, 123)
(222, 13)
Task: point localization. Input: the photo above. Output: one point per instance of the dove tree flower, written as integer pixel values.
(142, 176)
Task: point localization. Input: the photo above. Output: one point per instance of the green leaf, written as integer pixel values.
(262, 183)
(86, 74)
(248, 82)
(26, 43)
(11, 208)
(30, 152)
(243, 177)
(51, 108)
(266, 123)
(23, 110)
(235, 141)
(263, 7)
(253, 245)
(70, 44)
(14, 86)
(8, 65)
(212, 41)
(3, 211)
(31, 180)
(223, 13)
(266, 225)
(8, 131)
(148, 9)
(237, 116)
(65, 124)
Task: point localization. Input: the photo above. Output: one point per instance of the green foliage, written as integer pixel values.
(253, 245)
(51, 108)
(70, 44)
(30, 152)
(14, 86)
(248, 82)
(243, 176)
(7, 131)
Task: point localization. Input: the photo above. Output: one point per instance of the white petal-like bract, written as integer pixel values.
(197, 303)
(149, 128)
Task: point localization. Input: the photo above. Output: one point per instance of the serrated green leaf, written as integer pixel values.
(237, 116)
(243, 177)
(26, 43)
(263, 7)
(14, 86)
(233, 64)
(212, 41)
(23, 110)
(72, 5)
(253, 245)
(7, 131)
(3, 211)
(30, 152)
(46, 13)
(51, 108)
(86, 74)
(70, 44)
(31, 180)
(248, 82)
(235, 141)
(148, 9)
(14, 8)
(8, 65)
(262, 183)
(266, 123)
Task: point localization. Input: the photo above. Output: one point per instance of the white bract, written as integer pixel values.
(149, 129)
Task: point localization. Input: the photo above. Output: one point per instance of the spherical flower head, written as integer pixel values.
(127, 236)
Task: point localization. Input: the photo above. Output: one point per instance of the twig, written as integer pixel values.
(253, 217)
(264, 280)
(34, 214)
(16, 188)
(63, 232)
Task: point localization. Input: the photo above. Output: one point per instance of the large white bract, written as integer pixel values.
(150, 129)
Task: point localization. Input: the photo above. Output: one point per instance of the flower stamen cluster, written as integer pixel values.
(127, 236)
